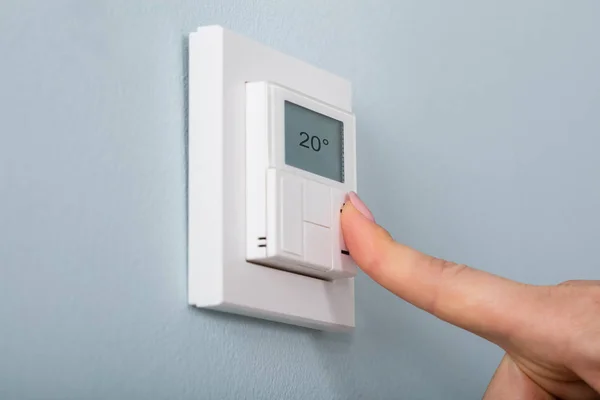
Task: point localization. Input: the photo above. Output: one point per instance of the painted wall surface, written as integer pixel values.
(478, 135)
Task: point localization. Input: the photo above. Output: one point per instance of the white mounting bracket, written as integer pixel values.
(219, 277)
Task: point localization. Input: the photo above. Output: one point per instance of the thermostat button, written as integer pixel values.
(317, 200)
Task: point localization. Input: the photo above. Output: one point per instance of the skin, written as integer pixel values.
(550, 334)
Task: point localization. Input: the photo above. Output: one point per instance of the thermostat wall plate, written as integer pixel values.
(272, 155)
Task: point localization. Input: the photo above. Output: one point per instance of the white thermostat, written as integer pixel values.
(300, 165)
(271, 158)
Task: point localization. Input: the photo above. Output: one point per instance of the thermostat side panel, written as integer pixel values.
(220, 63)
(206, 159)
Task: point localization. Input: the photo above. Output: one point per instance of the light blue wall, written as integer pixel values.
(478, 134)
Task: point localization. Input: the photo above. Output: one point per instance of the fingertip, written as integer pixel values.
(353, 198)
(365, 239)
(356, 217)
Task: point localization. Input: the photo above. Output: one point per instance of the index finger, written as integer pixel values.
(477, 301)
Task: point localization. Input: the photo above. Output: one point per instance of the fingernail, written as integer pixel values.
(360, 206)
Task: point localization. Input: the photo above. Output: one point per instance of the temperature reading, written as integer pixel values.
(315, 141)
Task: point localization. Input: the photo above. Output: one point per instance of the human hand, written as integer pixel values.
(551, 334)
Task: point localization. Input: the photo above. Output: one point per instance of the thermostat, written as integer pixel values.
(271, 158)
(299, 168)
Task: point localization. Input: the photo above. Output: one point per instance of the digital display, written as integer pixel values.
(314, 142)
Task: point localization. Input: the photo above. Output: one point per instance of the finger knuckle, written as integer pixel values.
(446, 271)
(569, 282)
(449, 270)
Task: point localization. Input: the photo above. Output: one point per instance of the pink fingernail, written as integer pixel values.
(360, 206)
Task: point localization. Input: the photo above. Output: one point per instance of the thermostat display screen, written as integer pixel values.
(314, 142)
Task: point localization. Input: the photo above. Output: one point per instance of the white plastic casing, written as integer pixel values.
(220, 277)
(293, 216)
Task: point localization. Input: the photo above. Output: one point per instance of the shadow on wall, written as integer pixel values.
(185, 46)
(397, 344)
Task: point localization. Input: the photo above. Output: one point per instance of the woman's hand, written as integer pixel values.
(551, 334)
